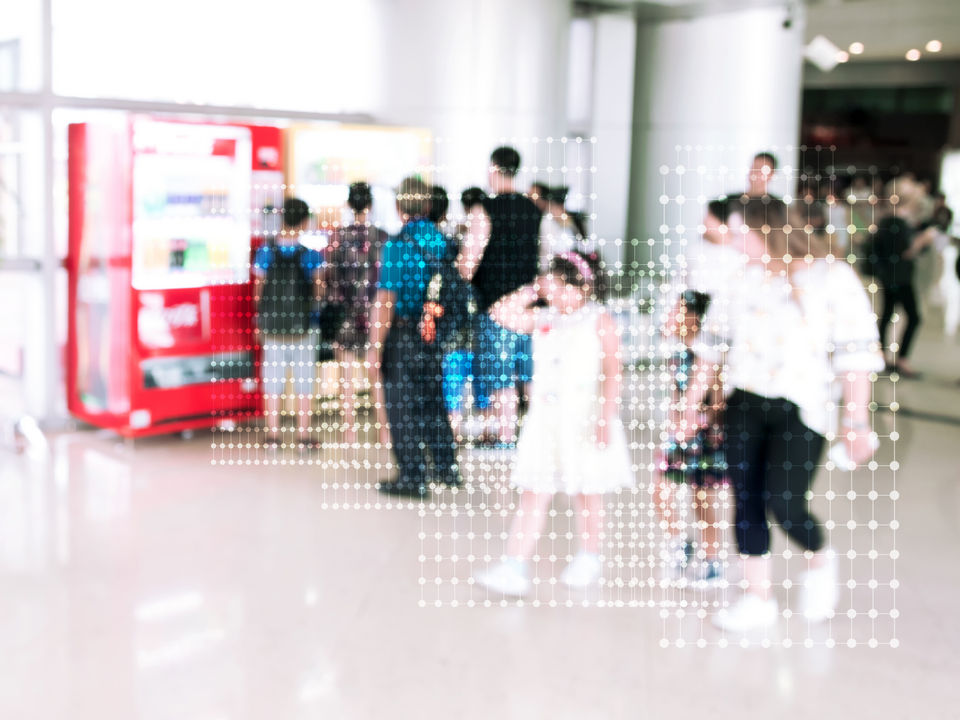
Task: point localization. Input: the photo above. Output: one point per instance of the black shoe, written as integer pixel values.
(403, 489)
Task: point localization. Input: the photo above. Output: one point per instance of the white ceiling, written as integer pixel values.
(887, 28)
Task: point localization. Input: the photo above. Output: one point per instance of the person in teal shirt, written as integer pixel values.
(407, 265)
(411, 370)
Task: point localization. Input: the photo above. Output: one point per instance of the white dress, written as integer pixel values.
(557, 449)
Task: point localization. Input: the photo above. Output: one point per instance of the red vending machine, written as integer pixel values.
(160, 332)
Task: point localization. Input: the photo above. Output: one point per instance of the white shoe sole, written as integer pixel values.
(517, 590)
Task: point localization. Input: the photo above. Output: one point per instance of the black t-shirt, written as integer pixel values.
(893, 238)
(511, 257)
(722, 208)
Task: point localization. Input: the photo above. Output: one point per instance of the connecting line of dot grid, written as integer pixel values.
(368, 487)
(788, 641)
(241, 444)
(830, 495)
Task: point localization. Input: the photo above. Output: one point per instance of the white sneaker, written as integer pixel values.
(819, 591)
(584, 570)
(508, 577)
(750, 612)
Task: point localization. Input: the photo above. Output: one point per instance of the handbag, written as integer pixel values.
(330, 319)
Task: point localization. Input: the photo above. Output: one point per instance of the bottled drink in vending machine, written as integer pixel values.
(178, 253)
(197, 258)
(157, 254)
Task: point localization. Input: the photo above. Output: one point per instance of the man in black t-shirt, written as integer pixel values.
(758, 182)
(500, 254)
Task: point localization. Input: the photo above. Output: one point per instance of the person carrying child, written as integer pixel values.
(572, 440)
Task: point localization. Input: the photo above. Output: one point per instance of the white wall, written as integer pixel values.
(318, 56)
(612, 125)
(478, 74)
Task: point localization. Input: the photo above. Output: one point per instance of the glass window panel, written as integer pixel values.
(20, 45)
(21, 184)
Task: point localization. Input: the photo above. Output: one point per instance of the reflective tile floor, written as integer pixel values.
(144, 581)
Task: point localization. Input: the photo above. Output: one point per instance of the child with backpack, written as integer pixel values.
(349, 281)
(286, 277)
(572, 439)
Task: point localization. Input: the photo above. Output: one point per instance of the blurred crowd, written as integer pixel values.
(494, 331)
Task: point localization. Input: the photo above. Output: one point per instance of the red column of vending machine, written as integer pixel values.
(160, 317)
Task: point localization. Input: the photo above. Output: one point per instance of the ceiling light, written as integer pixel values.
(913, 55)
(842, 56)
(822, 53)
(856, 48)
(934, 46)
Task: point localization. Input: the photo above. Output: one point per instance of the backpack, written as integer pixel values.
(449, 308)
(286, 298)
(351, 280)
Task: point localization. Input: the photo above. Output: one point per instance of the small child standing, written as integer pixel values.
(694, 454)
(572, 439)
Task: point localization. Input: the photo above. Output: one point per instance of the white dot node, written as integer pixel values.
(894, 524)
(894, 584)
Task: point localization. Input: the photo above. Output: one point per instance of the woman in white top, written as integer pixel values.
(796, 319)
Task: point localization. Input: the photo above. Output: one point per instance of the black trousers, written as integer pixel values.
(772, 458)
(413, 392)
(905, 296)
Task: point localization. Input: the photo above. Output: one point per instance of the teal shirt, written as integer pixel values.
(404, 270)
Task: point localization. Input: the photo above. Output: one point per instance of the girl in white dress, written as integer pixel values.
(572, 439)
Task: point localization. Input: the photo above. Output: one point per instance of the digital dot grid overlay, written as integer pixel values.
(464, 531)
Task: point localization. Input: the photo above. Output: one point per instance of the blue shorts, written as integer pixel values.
(502, 358)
